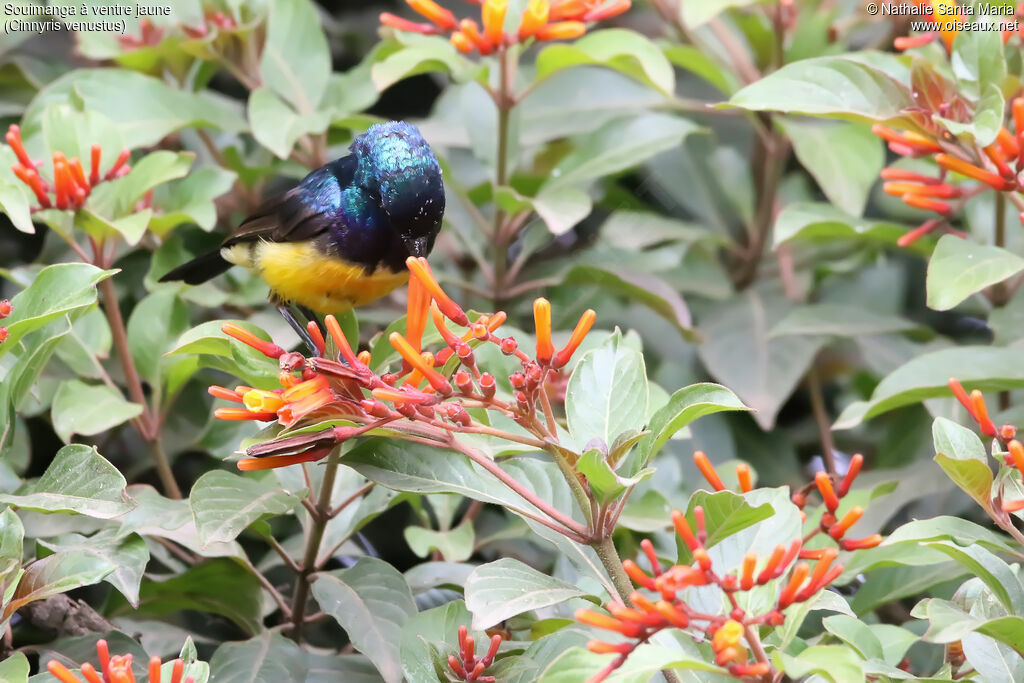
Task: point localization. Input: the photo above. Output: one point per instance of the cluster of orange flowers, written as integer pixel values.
(830, 525)
(70, 186)
(974, 403)
(997, 165)
(942, 10)
(466, 666)
(344, 386)
(116, 669)
(5, 310)
(668, 609)
(542, 20)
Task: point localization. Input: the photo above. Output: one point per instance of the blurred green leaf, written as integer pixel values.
(838, 320)
(978, 61)
(218, 586)
(927, 376)
(15, 669)
(155, 323)
(623, 50)
(14, 203)
(845, 159)
(833, 663)
(455, 545)
(267, 658)
(224, 504)
(128, 555)
(12, 538)
(960, 268)
(994, 572)
(190, 200)
(423, 54)
(739, 352)
(811, 221)
(88, 409)
(58, 290)
(685, 406)
(696, 62)
(842, 86)
(372, 602)
(578, 664)
(78, 480)
(57, 573)
(296, 61)
(694, 14)
(498, 590)
(277, 126)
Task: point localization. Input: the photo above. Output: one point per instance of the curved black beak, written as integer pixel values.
(417, 245)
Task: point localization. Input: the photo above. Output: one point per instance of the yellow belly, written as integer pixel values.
(298, 273)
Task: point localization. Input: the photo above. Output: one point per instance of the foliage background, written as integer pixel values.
(735, 245)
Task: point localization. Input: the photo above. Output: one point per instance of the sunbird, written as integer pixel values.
(341, 237)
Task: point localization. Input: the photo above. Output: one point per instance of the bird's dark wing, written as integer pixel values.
(301, 213)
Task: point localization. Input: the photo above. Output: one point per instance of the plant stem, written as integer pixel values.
(767, 163)
(1000, 291)
(163, 468)
(612, 563)
(318, 523)
(504, 102)
(821, 417)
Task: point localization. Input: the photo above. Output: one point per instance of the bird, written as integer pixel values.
(341, 237)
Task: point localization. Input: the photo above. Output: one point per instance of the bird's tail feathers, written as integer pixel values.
(199, 269)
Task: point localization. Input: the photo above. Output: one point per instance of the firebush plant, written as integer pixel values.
(806, 216)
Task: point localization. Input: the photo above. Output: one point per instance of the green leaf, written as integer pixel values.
(505, 588)
(607, 392)
(225, 504)
(725, 513)
(694, 14)
(832, 150)
(14, 203)
(78, 480)
(296, 61)
(740, 353)
(683, 407)
(623, 50)
(58, 290)
(650, 290)
(927, 376)
(838, 320)
(856, 633)
(12, 537)
(806, 221)
(372, 602)
(58, 573)
(88, 409)
(833, 663)
(128, 555)
(998, 576)
(455, 545)
(428, 638)
(218, 586)
(14, 669)
(618, 146)
(424, 54)
(190, 200)
(267, 658)
(604, 482)
(118, 197)
(961, 455)
(155, 323)
(986, 122)
(277, 126)
(143, 108)
(960, 268)
(578, 664)
(978, 61)
(839, 85)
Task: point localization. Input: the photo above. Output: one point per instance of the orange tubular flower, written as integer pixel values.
(995, 155)
(578, 334)
(340, 340)
(421, 269)
(606, 622)
(535, 16)
(743, 475)
(260, 401)
(861, 543)
(317, 336)
(469, 29)
(13, 138)
(5, 308)
(988, 428)
(117, 669)
(607, 10)
(268, 349)
(727, 635)
(493, 15)
(562, 30)
(274, 461)
(1013, 506)
(824, 484)
(438, 381)
(1016, 455)
(683, 529)
(788, 593)
(920, 202)
(961, 395)
(900, 174)
(971, 171)
(856, 462)
(389, 19)
(708, 470)
(94, 164)
(567, 9)
(542, 323)
(747, 573)
(461, 42)
(933, 190)
(440, 16)
(416, 313)
(838, 529)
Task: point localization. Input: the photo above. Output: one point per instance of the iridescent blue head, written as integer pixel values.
(398, 164)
